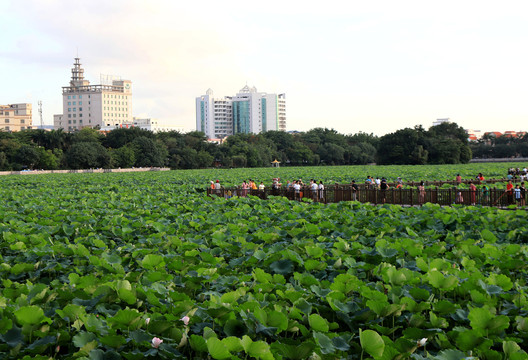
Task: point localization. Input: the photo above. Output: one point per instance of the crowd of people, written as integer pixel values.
(298, 189)
(514, 173)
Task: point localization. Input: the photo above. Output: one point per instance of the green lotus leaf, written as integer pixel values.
(30, 315)
(217, 349)
(372, 343)
(318, 323)
(283, 267)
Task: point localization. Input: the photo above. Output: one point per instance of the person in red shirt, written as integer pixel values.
(509, 190)
(472, 192)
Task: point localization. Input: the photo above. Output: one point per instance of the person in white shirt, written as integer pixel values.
(261, 186)
(297, 189)
(313, 188)
(321, 191)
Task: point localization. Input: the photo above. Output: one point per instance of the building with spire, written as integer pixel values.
(95, 106)
(249, 111)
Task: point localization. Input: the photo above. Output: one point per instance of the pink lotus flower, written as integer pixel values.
(156, 342)
(185, 320)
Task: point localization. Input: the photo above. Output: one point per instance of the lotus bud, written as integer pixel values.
(156, 342)
(185, 320)
(422, 342)
(147, 320)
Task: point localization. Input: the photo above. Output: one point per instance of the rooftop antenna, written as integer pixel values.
(40, 113)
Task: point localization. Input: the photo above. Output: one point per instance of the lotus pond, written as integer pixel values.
(133, 266)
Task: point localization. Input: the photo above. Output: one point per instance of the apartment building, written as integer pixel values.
(16, 117)
(249, 111)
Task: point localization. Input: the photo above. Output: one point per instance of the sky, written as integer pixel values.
(369, 66)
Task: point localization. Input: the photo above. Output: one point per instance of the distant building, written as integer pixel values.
(16, 117)
(474, 135)
(146, 124)
(441, 121)
(493, 133)
(249, 111)
(510, 134)
(86, 105)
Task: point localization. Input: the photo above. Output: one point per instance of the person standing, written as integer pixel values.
(472, 192)
(485, 195)
(297, 190)
(321, 191)
(517, 195)
(421, 193)
(383, 189)
(218, 187)
(458, 179)
(509, 191)
(355, 190)
(523, 194)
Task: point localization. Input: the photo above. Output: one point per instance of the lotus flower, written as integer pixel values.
(156, 342)
(422, 342)
(185, 320)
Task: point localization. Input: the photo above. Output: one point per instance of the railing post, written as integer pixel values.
(411, 192)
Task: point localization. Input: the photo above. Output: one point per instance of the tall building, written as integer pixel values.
(16, 117)
(247, 112)
(86, 105)
(441, 121)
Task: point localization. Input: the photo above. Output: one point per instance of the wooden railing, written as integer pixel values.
(407, 196)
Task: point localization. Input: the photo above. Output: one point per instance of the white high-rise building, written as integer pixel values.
(86, 105)
(247, 112)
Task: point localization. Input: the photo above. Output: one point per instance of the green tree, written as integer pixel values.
(118, 138)
(87, 155)
(47, 160)
(124, 157)
(26, 157)
(149, 152)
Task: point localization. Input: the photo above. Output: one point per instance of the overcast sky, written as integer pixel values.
(371, 66)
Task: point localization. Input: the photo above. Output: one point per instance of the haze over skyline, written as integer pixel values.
(370, 66)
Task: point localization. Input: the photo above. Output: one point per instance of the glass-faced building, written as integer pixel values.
(247, 112)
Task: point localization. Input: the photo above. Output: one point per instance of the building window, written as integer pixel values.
(7, 121)
(74, 103)
(22, 121)
(74, 96)
(69, 121)
(69, 103)
(7, 127)
(74, 115)
(69, 97)
(74, 109)
(80, 102)
(69, 115)
(80, 109)
(69, 109)
(80, 115)
(80, 96)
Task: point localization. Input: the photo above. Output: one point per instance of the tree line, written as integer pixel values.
(134, 147)
(491, 146)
